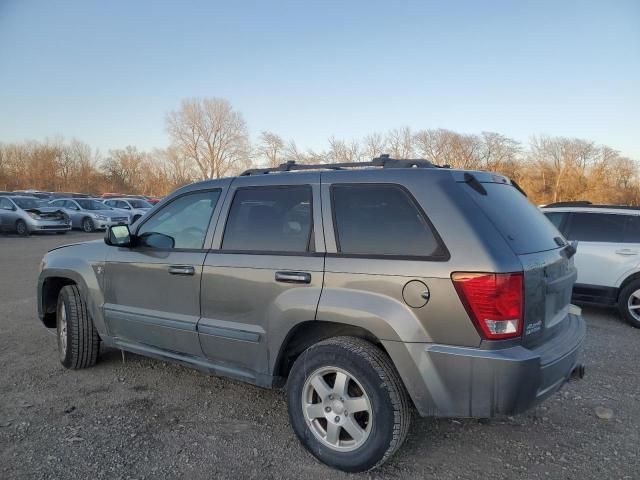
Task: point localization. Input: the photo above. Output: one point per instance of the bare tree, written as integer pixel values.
(341, 151)
(211, 133)
(270, 149)
(400, 143)
(373, 145)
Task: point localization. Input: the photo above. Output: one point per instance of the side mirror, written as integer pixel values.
(118, 236)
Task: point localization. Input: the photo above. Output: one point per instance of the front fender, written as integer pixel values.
(85, 271)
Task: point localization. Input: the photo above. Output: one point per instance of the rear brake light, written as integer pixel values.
(494, 301)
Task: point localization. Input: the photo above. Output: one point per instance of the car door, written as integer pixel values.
(74, 211)
(603, 256)
(8, 215)
(264, 273)
(152, 291)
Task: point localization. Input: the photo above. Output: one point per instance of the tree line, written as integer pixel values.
(208, 138)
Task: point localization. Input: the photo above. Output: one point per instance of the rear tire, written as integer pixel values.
(377, 425)
(78, 340)
(22, 229)
(87, 225)
(629, 303)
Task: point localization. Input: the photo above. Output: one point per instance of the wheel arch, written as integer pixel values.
(48, 298)
(628, 279)
(308, 333)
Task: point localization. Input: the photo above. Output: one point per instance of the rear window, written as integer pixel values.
(520, 222)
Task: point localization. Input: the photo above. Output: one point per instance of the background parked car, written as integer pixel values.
(608, 256)
(25, 215)
(135, 207)
(89, 214)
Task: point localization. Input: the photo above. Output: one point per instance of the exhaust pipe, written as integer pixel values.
(578, 372)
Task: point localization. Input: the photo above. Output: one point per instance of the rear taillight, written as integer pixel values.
(494, 301)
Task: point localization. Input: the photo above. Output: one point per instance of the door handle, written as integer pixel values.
(626, 251)
(293, 277)
(181, 270)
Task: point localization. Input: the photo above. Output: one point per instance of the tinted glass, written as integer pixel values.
(556, 218)
(139, 204)
(519, 222)
(269, 219)
(5, 204)
(92, 205)
(186, 219)
(380, 220)
(596, 227)
(25, 202)
(632, 232)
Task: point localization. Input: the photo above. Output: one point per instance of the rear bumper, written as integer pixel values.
(450, 381)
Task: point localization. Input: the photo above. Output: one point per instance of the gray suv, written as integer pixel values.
(364, 289)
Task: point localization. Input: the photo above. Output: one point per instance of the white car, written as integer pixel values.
(136, 207)
(608, 255)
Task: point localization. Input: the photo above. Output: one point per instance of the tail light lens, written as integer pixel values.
(494, 301)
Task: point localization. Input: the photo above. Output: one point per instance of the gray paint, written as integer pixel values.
(232, 317)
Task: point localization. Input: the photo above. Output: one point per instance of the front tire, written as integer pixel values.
(78, 340)
(22, 229)
(338, 375)
(629, 303)
(87, 225)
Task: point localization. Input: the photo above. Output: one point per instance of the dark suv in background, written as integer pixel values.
(363, 288)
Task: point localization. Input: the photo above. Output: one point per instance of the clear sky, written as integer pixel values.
(106, 72)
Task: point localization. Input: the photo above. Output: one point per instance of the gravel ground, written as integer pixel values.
(142, 418)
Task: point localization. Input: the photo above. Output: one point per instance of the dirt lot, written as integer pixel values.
(147, 419)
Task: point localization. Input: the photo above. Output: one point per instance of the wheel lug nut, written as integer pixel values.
(337, 419)
(327, 409)
(330, 397)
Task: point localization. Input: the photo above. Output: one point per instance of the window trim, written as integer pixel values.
(183, 250)
(444, 257)
(310, 238)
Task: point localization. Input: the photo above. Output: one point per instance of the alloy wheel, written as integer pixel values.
(337, 409)
(633, 304)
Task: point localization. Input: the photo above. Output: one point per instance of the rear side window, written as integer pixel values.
(520, 222)
(270, 219)
(632, 231)
(596, 227)
(381, 220)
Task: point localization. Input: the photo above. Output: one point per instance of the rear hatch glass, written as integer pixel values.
(524, 227)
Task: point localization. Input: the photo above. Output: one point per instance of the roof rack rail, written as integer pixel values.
(383, 161)
(575, 203)
(585, 204)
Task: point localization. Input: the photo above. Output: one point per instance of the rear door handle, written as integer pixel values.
(293, 277)
(626, 251)
(181, 270)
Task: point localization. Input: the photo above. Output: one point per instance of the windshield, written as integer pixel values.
(91, 204)
(139, 204)
(25, 203)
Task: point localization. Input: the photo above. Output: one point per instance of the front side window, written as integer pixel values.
(139, 203)
(381, 220)
(184, 221)
(92, 205)
(26, 203)
(596, 227)
(270, 219)
(71, 205)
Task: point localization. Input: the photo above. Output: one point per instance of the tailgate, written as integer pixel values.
(549, 272)
(548, 281)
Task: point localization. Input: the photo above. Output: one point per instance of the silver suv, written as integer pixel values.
(364, 288)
